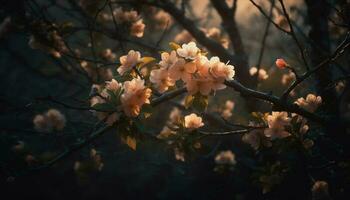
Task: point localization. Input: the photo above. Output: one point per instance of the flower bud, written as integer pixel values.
(281, 63)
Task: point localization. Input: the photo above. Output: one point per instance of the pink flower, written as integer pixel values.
(137, 29)
(130, 108)
(113, 85)
(129, 61)
(277, 122)
(161, 79)
(201, 85)
(193, 121)
(281, 63)
(202, 64)
(311, 103)
(134, 96)
(188, 51)
(221, 70)
(182, 70)
(168, 60)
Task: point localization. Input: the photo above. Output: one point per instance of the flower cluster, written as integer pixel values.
(49, 121)
(311, 103)
(132, 19)
(189, 64)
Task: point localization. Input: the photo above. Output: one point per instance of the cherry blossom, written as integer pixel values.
(277, 122)
(281, 63)
(129, 61)
(113, 85)
(182, 70)
(161, 79)
(311, 103)
(193, 121)
(169, 60)
(134, 96)
(188, 51)
(137, 29)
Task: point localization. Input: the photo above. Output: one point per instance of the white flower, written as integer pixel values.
(188, 51)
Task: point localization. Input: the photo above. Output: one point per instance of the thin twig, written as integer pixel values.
(292, 33)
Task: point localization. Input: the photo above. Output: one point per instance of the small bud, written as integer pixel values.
(281, 63)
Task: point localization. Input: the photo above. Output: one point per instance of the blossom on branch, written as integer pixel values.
(129, 61)
(137, 29)
(281, 63)
(113, 85)
(160, 77)
(135, 95)
(311, 103)
(193, 121)
(188, 51)
(277, 122)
